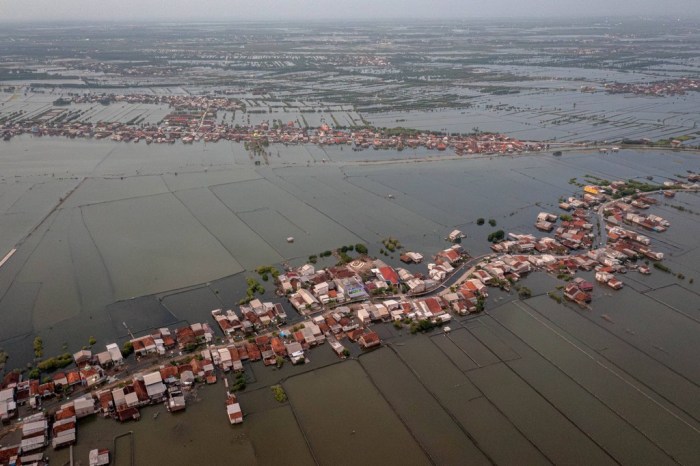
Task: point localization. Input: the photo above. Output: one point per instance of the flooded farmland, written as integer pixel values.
(107, 222)
(190, 156)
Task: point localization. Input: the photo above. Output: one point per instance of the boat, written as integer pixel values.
(557, 153)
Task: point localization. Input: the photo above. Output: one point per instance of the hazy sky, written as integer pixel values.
(61, 10)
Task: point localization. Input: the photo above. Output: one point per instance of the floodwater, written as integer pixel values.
(101, 223)
(533, 382)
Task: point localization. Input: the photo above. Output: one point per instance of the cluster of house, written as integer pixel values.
(574, 232)
(60, 430)
(310, 290)
(195, 120)
(620, 212)
(523, 243)
(623, 246)
(660, 88)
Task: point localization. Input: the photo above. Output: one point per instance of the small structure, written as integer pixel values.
(455, 236)
(98, 457)
(233, 410)
(290, 239)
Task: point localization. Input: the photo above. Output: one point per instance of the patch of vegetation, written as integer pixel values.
(313, 259)
(127, 348)
(566, 217)
(264, 270)
(496, 236)
(391, 244)
(92, 341)
(662, 267)
(57, 362)
(480, 221)
(361, 248)
(38, 347)
(254, 286)
(492, 222)
(554, 296)
(344, 257)
(524, 292)
(239, 383)
(422, 326)
(279, 393)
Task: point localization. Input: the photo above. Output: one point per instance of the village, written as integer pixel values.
(194, 119)
(659, 88)
(340, 304)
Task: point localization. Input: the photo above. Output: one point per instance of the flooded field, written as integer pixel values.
(106, 222)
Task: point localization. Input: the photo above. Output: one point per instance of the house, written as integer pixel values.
(233, 410)
(8, 405)
(416, 285)
(295, 352)
(144, 345)
(60, 379)
(388, 275)
(154, 385)
(91, 376)
(363, 316)
(84, 406)
(82, 357)
(451, 256)
(369, 340)
(573, 293)
(455, 236)
(237, 365)
(98, 457)
(351, 287)
(185, 337)
(104, 359)
(278, 347)
(338, 348)
(224, 357)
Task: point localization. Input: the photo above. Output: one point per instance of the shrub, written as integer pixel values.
(279, 393)
(361, 248)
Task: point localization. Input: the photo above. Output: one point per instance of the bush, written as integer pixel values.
(92, 341)
(480, 221)
(361, 248)
(492, 222)
(496, 236)
(127, 348)
(662, 267)
(279, 393)
(38, 347)
(524, 292)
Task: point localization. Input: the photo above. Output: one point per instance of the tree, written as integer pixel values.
(492, 222)
(480, 221)
(361, 248)
(127, 348)
(496, 236)
(92, 341)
